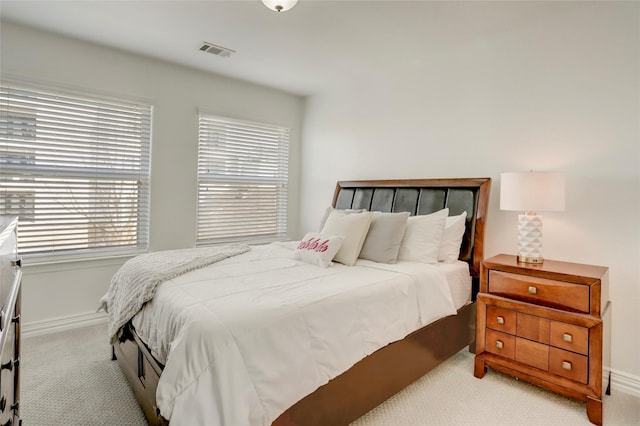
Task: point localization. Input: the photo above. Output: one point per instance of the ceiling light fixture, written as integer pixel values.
(279, 5)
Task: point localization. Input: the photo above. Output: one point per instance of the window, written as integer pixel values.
(75, 169)
(242, 180)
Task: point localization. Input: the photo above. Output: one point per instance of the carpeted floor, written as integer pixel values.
(61, 388)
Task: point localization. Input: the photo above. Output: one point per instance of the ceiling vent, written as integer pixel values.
(216, 50)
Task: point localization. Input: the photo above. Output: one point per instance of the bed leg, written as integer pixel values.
(113, 353)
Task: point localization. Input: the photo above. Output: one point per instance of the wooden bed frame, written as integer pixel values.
(390, 369)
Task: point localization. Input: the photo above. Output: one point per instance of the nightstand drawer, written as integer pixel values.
(532, 353)
(501, 344)
(541, 291)
(570, 337)
(568, 364)
(501, 319)
(533, 327)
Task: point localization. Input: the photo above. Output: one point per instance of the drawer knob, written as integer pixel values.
(499, 344)
(567, 337)
(500, 320)
(533, 290)
(566, 365)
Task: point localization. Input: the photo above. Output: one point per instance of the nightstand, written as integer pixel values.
(547, 324)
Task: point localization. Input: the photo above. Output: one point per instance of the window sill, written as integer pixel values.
(61, 263)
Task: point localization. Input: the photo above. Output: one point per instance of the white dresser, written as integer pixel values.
(10, 280)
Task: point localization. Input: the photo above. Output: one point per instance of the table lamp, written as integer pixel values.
(531, 192)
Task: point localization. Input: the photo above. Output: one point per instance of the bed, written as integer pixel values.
(384, 371)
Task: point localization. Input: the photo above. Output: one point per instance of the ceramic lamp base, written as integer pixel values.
(530, 238)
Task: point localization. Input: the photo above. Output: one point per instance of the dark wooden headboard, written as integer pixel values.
(425, 196)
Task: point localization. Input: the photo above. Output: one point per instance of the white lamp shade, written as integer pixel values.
(532, 191)
(280, 5)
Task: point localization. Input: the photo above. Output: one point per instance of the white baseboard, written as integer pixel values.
(625, 382)
(55, 325)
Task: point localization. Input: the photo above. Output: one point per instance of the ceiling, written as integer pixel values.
(316, 46)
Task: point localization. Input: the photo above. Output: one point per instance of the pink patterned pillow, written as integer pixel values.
(317, 249)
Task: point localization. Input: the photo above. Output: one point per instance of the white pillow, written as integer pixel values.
(352, 227)
(330, 209)
(422, 236)
(317, 249)
(384, 238)
(452, 238)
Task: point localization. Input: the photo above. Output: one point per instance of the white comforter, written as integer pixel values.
(246, 338)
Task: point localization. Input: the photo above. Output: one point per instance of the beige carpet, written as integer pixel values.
(61, 388)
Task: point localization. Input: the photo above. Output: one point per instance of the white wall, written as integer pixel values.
(176, 93)
(560, 93)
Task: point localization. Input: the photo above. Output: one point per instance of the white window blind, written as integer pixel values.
(242, 180)
(75, 169)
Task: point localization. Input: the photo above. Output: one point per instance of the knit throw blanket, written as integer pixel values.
(135, 283)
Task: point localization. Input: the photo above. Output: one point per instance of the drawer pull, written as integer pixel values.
(533, 290)
(566, 365)
(499, 344)
(500, 320)
(567, 338)
(7, 366)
